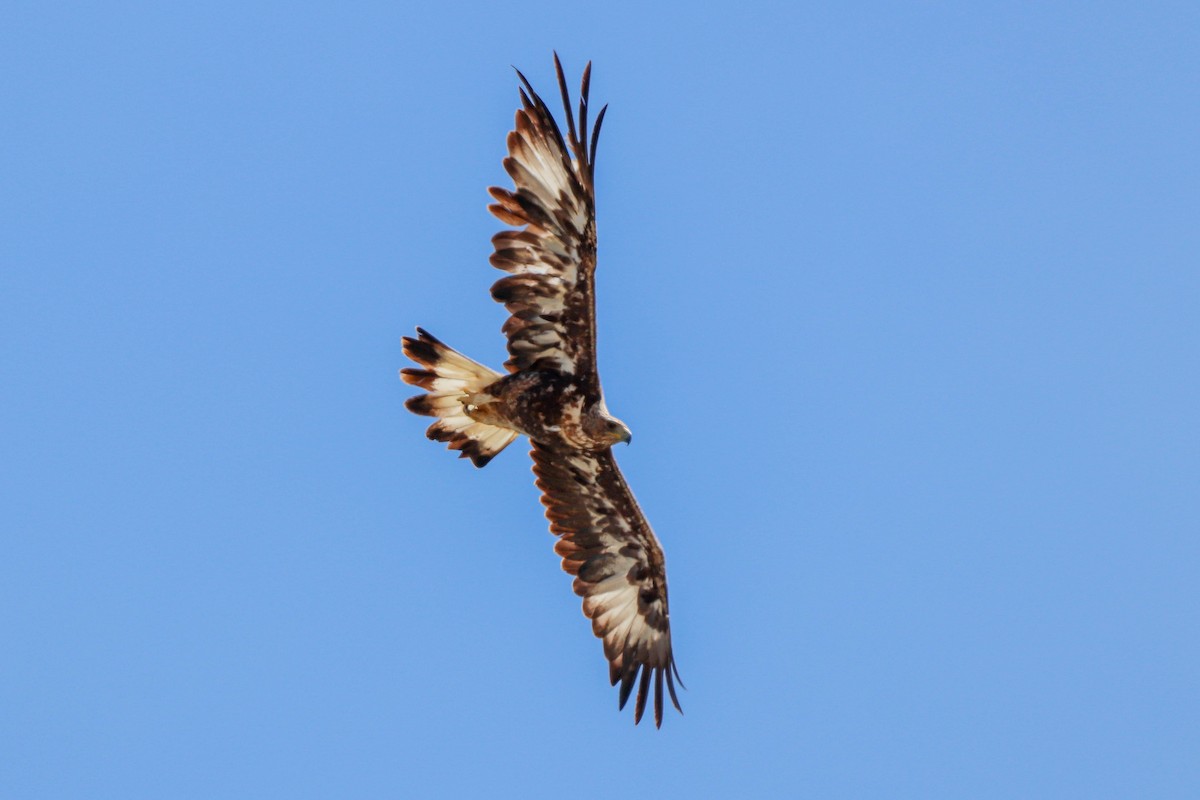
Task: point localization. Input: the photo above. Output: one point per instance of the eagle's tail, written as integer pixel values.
(453, 380)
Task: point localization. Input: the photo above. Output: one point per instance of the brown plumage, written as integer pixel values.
(552, 393)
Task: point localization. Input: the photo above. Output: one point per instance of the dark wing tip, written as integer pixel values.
(639, 706)
(596, 138)
(566, 99)
(676, 671)
(583, 98)
(671, 685)
(626, 687)
(658, 697)
(525, 81)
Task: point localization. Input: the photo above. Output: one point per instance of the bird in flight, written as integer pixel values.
(551, 393)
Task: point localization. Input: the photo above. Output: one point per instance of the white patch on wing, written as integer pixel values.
(584, 465)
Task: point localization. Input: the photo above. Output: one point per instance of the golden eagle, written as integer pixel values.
(552, 393)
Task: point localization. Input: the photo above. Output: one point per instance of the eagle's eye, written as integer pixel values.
(618, 432)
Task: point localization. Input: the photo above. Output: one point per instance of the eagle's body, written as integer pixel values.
(548, 406)
(552, 394)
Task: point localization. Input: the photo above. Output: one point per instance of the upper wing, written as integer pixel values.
(551, 292)
(618, 565)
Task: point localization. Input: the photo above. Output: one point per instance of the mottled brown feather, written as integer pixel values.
(604, 537)
(555, 253)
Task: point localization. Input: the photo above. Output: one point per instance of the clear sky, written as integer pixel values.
(899, 302)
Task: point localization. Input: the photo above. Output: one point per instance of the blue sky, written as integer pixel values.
(899, 302)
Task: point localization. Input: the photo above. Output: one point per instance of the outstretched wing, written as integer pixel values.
(551, 292)
(606, 543)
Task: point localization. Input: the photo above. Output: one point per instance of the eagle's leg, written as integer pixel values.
(482, 407)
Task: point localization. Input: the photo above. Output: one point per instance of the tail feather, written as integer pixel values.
(451, 379)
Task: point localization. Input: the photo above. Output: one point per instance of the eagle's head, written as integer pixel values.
(617, 431)
(603, 429)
